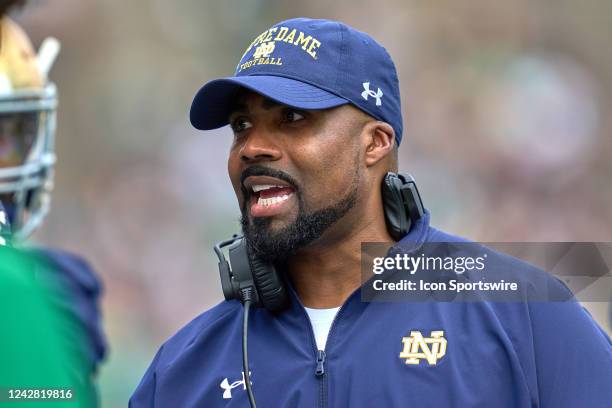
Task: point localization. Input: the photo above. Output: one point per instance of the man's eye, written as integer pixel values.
(290, 115)
(240, 125)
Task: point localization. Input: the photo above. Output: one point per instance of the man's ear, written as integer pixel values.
(379, 139)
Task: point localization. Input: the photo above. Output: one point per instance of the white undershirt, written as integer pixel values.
(321, 320)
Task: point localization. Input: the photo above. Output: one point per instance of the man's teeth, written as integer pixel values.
(260, 187)
(272, 200)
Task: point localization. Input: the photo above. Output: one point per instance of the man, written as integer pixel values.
(315, 111)
(57, 337)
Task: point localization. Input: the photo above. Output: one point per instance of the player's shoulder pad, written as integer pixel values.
(78, 291)
(71, 266)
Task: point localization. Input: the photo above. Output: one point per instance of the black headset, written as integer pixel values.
(402, 207)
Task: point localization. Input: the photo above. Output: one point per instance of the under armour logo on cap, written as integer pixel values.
(368, 92)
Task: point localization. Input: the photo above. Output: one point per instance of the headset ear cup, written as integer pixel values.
(270, 286)
(395, 214)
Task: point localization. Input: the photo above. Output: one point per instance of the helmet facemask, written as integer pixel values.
(28, 103)
(27, 130)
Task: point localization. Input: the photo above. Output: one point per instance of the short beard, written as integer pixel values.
(277, 247)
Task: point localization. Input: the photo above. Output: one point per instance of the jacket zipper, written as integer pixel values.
(321, 371)
(320, 356)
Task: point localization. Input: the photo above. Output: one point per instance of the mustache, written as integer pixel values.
(258, 170)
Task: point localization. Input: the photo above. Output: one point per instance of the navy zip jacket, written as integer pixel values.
(495, 354)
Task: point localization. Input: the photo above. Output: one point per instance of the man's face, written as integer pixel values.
(295, 173)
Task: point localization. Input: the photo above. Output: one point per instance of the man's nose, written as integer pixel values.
(260, 145)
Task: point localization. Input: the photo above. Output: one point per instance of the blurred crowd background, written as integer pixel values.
(508, 125)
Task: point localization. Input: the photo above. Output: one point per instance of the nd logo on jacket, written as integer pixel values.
(417, 347)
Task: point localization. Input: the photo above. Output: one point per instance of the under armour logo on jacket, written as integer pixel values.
(368, 92)
(227, 387)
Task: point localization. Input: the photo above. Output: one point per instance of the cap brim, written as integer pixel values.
(211, 106)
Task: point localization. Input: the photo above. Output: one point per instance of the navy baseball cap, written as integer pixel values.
(308, 64)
